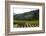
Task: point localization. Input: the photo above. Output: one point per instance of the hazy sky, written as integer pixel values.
(21, 10)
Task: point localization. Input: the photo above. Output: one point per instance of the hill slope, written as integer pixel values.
(31, 15)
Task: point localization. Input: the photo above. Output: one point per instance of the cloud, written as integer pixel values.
(22, 10)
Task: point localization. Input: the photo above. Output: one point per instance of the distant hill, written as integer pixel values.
(31, 15)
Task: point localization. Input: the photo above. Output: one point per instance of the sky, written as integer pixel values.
(22, 10)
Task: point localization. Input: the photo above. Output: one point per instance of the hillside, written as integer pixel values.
(31, 15)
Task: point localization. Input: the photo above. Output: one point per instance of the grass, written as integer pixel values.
(24, 23)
